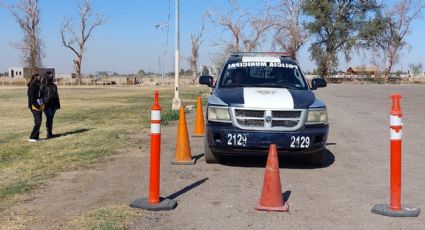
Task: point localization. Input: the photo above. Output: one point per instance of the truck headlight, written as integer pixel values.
(219, 114)
(319, 116)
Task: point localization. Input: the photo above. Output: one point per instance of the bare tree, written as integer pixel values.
(245, 29)
(398, 19)
(27, 15)
(234, 24)
(76, 40)
(259, 27)
(290, 33)
(196, 41)
(415, 69)
(386, 33)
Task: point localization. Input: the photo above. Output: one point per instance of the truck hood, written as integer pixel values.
(263, 98)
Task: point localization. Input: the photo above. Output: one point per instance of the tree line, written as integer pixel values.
(333, 28)
(74, 36)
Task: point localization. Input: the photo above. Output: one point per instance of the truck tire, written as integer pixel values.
(210, 157)
(317, 158)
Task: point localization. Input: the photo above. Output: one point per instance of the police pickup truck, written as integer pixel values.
(261, 99)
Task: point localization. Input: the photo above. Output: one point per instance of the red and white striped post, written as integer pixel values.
(155, 150)
(395, 209)
(395, 150)
(153, 201)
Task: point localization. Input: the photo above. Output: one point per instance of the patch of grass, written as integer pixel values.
(171, 115)
(112, 217)
(16, 188)
(92, 123)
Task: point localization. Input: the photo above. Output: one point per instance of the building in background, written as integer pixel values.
(66, 76)
(363, 71)
(24, 72)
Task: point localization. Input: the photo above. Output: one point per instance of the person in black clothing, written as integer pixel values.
(36, 105)
(51, 100)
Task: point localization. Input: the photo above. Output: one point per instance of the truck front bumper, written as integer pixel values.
(258, 142)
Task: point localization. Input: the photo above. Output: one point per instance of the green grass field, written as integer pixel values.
(93, 123)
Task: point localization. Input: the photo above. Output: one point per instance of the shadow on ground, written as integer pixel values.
(187, 189)
(197, 157)
(286, 195)
(77, 131)
(285, 161)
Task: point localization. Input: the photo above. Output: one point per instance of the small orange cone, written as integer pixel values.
(271, 195)
(199, 130)
(183, 155)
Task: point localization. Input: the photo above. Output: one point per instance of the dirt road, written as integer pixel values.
(338, 196)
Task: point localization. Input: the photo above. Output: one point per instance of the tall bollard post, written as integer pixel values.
(154, 202)
(395, 209)
(395, 152)
(155, 150)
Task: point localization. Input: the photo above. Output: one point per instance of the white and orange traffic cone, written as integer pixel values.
(395, 209)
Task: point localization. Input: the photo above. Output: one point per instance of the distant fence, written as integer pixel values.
(343, 78)
(404, 78)
(5, 81)
(105, 81)
(186, 80)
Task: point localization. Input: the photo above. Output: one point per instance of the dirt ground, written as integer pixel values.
(223, 196)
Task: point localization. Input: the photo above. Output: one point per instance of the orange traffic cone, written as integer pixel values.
(199, 130)
(271, 195)
(183, 155)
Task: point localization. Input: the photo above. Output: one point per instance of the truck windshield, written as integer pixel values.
(263, 74)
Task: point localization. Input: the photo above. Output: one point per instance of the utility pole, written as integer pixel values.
(176, 101)
(161, 69)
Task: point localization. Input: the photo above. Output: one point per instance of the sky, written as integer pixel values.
(129, 40)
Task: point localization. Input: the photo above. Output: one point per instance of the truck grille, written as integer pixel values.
(268, 119)
(286, 114)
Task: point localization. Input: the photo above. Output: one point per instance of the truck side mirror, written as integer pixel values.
(206, 80)
(318, 83)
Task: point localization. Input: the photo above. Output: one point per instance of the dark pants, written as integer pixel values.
(50, 114)
(35, 134)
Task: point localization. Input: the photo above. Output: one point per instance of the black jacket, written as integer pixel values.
(34, 94)
(51, 96)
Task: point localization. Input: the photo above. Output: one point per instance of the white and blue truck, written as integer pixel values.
(261, 99)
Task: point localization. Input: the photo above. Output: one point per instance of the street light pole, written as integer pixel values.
(164, 50)
(176, 101)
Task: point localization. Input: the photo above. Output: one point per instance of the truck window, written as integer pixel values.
(263, 74)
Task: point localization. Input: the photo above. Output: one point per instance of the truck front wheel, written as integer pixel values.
(210, 157)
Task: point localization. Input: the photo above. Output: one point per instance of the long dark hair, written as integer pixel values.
(48, 78)
(33, 79)
(51, 89)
